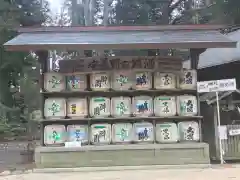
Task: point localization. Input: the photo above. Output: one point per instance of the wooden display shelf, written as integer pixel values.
(114, 93)
(182, 118)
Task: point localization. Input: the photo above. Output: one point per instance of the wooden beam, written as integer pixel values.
(143, 45)
(194, 57)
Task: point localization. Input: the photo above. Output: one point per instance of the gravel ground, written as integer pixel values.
(10, 157)
(184, 174)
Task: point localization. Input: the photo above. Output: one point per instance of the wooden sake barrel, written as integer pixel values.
(165, 80)
(121, 106)
(77, 107)
(101, 134)
(142, 106)
(187, 105)
(166, 132)
(122, 80)
(143, 132)
(54, 134)
(54, 82)
(122, 132)
(55, 108)
(100, 107)
(76, 82)
(77, 132)
(143, 80)
(100, 81)
(165, 106)
(188, 79)
(189, 131)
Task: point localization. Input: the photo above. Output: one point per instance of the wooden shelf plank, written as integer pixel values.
(126, 118)
(119, 93)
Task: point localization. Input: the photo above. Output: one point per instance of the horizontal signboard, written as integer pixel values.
(120, 63)
(217, 85)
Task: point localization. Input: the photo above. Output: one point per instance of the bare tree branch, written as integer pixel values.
(175, 5)
(170, 3)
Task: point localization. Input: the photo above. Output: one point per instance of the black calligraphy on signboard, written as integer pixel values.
(100, 134)
(165, 107)
(167, 80)
(141, 80)
(102, 81)
(166, 134)
(190, 134)
(189, 106)
(188, 79)
(99, 108)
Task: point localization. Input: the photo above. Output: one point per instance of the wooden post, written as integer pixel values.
(194, 58)
(43, 57)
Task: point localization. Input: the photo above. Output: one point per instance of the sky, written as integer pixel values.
(55, 5)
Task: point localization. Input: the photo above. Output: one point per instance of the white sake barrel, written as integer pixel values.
(164, 80)
(143, 80)
(101, 133)
(165, 106)
(77, 82)
(54, 134)
(78, 133)
(142, 106)
(143, 132)
(54, 82)
(188, 79)
(187, 105)
(166, 132)
(121, 106)
(122, 132)
(55, 108)
(188, 131)
(122, 80)
(100, 107)
(100, 81)
(77, 107)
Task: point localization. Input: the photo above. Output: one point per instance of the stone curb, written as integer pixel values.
(120, 168)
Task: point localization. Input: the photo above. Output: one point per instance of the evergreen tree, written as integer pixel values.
(13, 14)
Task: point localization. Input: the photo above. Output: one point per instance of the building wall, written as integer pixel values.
(210, 133)
(225, 71)
(208, 130)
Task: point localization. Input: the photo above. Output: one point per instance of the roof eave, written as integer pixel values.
(186, 45)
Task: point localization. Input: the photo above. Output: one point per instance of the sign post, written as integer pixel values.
(217, 86)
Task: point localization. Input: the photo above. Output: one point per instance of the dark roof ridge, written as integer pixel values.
(119, 28)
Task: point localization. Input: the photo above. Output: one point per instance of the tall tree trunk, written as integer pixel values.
(74, 14)
(105, 12)
(86, 13)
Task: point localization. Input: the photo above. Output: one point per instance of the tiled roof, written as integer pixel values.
(219, 56)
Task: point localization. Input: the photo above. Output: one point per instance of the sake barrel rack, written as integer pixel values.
(88, 92)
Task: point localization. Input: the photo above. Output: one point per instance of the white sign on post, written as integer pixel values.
(217, 86)
(234, 132)
(73, 144)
